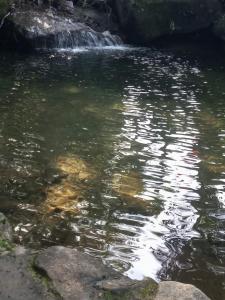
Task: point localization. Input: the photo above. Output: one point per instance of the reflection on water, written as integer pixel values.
(121, 154)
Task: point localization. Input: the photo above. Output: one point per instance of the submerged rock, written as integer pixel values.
(62, 197)
(47, 29)
(66, 195)
(74, 166)
(127, 184)
(145, 20)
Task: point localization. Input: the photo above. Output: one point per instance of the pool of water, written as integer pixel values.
(120, 153)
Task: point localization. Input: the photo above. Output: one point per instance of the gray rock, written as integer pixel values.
(171, 290)
(72, 273)
(143, 21)
(46, 29)
(77, 276)
(17, 281)
(5, 228)
(67, 274)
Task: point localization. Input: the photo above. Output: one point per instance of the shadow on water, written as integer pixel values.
(119, 153)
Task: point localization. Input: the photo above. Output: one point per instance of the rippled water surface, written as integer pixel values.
(119, 153)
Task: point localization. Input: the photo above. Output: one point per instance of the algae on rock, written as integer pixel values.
(66, 195)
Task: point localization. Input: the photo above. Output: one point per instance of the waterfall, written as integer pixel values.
(47, 30)
(86, 39)
(76, 35)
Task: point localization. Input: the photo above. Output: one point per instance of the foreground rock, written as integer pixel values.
(64, 273)
(77, 276)
(16, 279)
(32, 28)
(143, 21)
(67, 274)
(171, 290)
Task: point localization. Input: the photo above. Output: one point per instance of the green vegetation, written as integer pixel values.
(147, 292)
(4, 5)
(5, 245)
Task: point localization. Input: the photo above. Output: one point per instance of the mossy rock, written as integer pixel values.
(5, 245)
(135, 290)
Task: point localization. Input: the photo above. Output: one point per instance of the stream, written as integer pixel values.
(119, 152)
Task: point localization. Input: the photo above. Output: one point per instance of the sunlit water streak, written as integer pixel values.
(145, 113)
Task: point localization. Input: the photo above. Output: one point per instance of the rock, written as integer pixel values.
(77, 276)
(32, 28)
(17, 279)
(66, 194)
(129, 188)
(63, 197)
(127, 184)
(67, 274)
(65, 5)
(171, 290)
(74, 166)
(71, 272)
(146, 20)
(5, 228)
(219, 28)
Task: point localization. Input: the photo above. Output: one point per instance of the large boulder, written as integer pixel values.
(146, 20)
(78, 276)
(48, 29)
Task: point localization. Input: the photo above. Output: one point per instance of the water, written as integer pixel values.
(145, 131)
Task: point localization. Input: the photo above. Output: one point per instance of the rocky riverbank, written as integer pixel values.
(65, 273)
(67, 23)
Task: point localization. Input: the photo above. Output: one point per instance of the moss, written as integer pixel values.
(145, 292)
(5, 245)
(41, 276)
(4, 5)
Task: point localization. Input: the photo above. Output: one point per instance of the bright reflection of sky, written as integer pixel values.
(170, 176)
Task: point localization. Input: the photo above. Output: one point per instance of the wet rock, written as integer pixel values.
(32, 28)
(77, 276)
(6, 232)
(144, 21)
(171, 290)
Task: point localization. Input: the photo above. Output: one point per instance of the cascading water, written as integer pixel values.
(79, 36)
(86, 38)
(47, 30)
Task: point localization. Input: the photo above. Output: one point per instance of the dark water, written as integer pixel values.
(150, 124)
